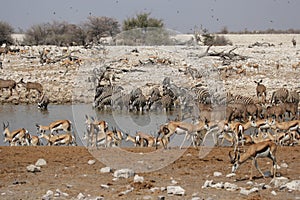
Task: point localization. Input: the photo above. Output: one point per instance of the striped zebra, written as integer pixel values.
(139, 102)
(293, 97)
(104, 95)
(280, 95)
(239, 99)
(202, 95)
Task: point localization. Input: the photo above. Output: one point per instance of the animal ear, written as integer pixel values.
(166, 130)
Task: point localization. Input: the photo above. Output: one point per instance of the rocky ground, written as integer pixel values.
(73, 173)
(66, 83)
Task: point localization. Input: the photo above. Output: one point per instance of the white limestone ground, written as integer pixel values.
(74, 83)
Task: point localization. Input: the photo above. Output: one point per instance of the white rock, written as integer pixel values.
(230, 175)
(104, 186)
(249, 183)
(273, 193)
(279, 181)
(154, 189)
(138, 179)
(161, 198)
(41, 162)
(124, 173)
(218, 185)
(176, 190)
(48, 195)
(217, 174)
(91, 162)
(284, 165)
(244, 191)
(247, 192)
(207, 183)
(230, 186)
(293, 185)
(174, 182)
(147, 197)
(105, 170)
(80, 196)
(33, 168)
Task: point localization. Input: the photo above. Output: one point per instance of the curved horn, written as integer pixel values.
(232, 159)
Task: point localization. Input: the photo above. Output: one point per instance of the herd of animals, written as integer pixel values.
(260, 123)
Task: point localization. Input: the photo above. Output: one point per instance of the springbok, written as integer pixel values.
(144, 137)
(14, 137)
(258, 150)
(61, 139)
(179, 127)
(56, 126)
(131, 139)
(96, 132)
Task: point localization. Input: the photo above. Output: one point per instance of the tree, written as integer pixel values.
(142, 21)
(97, 27)
(55, 33)
(5, 33)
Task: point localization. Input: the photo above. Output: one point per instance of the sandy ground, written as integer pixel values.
(68, 171)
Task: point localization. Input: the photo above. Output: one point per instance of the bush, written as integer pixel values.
(212, 40)
(5, 33)
(97, 27)
(56, 33)
(142, 21)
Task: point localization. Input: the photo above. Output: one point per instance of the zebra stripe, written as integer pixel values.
(280, 95)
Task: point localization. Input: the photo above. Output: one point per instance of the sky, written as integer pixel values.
(180, 15)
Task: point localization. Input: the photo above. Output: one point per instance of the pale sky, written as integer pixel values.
(179, 15)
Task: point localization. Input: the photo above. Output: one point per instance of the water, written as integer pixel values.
(27, 116)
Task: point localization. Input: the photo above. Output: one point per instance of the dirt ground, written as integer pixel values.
(68, 171)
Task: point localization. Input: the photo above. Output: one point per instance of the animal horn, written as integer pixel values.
(232, 159)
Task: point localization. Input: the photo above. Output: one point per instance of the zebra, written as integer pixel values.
(293, 97)
(139, 102)
(104, 95)
(280, 95)
(239, 99)
(202, 95)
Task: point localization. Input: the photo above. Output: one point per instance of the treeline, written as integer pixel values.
(225, 30)
(65, 34)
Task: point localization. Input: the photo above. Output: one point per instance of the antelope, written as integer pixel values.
(61, 139)
(32, 140)
(32, 86)
(96, 132)
(286, 126)
(255, 151)
(182, 128)
(43, 102)
(64, 125)
(118, 137)
(14, 136)
(238, 129)
(261, 90)
(141, 137)
(8, 84)
(131, 139)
